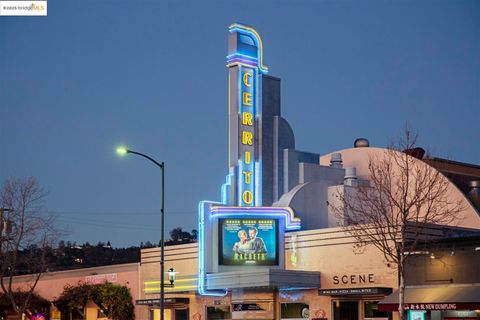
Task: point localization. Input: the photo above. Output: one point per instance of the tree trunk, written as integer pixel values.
(20, 314)
(401, 289)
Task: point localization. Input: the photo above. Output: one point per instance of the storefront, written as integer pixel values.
(348, 286)
(358, 303)
(438, 302)
(175, 308)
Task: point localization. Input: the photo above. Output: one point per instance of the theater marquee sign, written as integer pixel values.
(245, 67)
(238, 234)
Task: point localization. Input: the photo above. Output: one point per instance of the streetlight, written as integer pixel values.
(124, 151)
(171, 276)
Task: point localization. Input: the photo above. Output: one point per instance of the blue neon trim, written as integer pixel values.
(258, 183)
(201, 254)
(226, 189)
(241, 55)
(242, 29)
(296, 288)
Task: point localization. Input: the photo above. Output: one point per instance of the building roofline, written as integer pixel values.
(458, 163)
(84, 271)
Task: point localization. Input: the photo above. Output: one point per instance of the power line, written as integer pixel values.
(108, 225)
(105, 224)
(127, 224)
(153, 213)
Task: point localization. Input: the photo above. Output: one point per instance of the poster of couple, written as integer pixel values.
(248, 241)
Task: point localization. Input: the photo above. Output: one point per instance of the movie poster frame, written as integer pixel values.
(277, 242)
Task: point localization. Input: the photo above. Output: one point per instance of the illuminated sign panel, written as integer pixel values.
(248, 242)
(246, 172)
(245, 79)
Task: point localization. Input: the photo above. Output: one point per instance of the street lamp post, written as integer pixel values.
(161, 165)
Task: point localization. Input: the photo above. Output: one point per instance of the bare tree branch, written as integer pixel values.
(403, 197)
(24, 243)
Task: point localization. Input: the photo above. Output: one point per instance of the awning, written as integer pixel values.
(375, 291)
(439, 297)
(167, 301)
(264, 278)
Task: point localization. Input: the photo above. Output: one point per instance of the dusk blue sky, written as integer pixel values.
(151, 75)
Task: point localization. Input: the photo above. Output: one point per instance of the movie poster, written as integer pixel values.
(246, 241)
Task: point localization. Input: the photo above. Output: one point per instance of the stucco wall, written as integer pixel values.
(51, 284)
(360, 157)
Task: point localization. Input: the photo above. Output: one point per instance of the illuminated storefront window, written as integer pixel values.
(417, 314)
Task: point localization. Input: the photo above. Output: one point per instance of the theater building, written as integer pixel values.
(271, 248)
(297, 263)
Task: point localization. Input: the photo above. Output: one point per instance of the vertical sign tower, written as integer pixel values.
(243, 233)
(244, 60)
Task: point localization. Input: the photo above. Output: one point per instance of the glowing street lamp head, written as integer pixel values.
(122, 151)
(171, 275)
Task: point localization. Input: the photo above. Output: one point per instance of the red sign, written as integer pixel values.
(101, 278)
(430, 306)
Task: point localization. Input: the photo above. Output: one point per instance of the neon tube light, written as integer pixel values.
(201, 254)
(291, 222)
(236, 27)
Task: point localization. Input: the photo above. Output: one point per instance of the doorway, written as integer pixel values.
(345, 310)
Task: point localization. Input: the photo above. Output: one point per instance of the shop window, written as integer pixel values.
(461, 315)
(294, 311)
(416, 314)
(219, 312)
(371, 311)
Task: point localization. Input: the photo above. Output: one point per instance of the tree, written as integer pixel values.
(114, 300)
(403, 197)
(194, 234)
(36, 303)
(74, 299)
(26, 237)
(176, 234)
